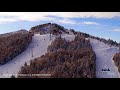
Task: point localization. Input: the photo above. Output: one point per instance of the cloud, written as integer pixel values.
(67, 21)
(24, 16)
(63, 14)
(6, 20)
(116, 30)
(88, 14)
(45, 16)
(90, 23)
(73, 22)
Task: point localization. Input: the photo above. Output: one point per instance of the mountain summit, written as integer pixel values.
(47, 28)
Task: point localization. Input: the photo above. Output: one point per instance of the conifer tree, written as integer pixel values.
(12, 76)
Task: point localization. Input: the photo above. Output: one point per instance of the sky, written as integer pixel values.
(101, 24)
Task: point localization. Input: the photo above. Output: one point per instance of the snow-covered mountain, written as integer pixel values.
(37, 47)
(49, 27)
(105, 67)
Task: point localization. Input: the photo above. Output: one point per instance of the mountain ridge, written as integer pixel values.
(47, 28)
(40, 41)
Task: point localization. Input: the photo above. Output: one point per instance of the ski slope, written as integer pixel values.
(39, 44)
(37, 47)
(104, 55)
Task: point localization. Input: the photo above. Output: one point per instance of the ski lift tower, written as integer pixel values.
(50, 28)
(32, 50)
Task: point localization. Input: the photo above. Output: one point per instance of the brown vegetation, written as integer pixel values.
(12, 44)
(64, 59)
(109, 41)
(116, 59)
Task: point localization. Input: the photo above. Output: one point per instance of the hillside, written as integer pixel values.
(12, 44)
(105, 67)
(64, 59)
(37, 47)
(13, 33)
(51, 49)
(49, 28)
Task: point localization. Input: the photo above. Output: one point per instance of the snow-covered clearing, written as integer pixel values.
(68, 37)
(37, 47)
(104, 56)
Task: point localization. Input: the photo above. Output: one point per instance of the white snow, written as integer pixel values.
(68, 37)
(104, 56)
(70, 32)
(38, 45)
